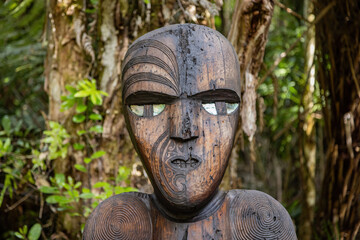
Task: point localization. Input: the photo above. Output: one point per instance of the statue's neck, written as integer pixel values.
(190, 216)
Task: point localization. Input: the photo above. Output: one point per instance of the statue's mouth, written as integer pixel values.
(185, 164)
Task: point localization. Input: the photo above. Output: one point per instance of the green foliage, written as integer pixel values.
(56, 138)
(13, 150)
(22, 162)
(34, 233)
(85, 89)
(21, 58)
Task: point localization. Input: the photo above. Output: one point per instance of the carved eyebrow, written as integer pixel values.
(169, 66)
(158, 45)
(148, 77)
(217, 95)
(144, 97)
(148, 59)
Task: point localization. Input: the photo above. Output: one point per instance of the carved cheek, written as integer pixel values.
(214, 146)
(146, 131)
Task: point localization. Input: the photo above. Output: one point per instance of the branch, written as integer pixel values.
(12, 207)
(290, 11)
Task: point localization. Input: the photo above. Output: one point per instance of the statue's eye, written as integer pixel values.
(138, 110)
(148, 110)
(220, 108)
(210, 108)
(231, 107)
(158, 108)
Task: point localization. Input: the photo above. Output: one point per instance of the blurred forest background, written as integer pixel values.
(63, 140)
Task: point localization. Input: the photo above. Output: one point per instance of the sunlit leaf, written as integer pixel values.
(81, 108)
(80, 167)
(87, 160)
(35, 232)
(95, 116)
(80, 132)
(6, 123)
(98, 154)
(49, 190)
(86, 195)
(79, 118)
(96, 129)
(78, 146)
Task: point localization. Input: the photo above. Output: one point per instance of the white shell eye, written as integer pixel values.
(138, 110)
(158, 108)
(231, 107)
(210, 108)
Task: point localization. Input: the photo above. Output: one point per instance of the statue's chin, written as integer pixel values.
(189, 202)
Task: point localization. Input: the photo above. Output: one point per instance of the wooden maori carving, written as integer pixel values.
(181, 92)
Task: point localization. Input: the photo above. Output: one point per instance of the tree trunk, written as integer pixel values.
(307, 148)
(338, 52)
(248, 34)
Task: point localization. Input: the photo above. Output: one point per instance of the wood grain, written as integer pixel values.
(122, 216)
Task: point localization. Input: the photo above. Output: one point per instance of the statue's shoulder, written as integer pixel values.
(257, 215)
(123, 216)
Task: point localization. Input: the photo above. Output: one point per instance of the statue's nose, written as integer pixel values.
(184, 120)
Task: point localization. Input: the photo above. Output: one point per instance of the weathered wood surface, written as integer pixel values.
(181, 91)
(238, 214)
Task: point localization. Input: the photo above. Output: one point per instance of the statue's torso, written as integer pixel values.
(240, 214)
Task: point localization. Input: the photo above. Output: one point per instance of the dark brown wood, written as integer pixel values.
(181, 92)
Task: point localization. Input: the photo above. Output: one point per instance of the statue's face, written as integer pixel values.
(181, 91)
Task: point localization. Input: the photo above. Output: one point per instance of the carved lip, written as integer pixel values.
(190, 163)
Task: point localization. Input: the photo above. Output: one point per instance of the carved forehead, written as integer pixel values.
(181, 59)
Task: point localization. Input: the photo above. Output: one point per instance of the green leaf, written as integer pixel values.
(70, 180)
(87, 160)
(18, 235)
(70, 88)
(95, 99)
(67, 103)
(57, 199)
(6, 123)
(96, 129)
(97, 154)
(95, 117)
(81, 168)
(49, 190)
(81, 108)
(101, 184)
(53, 125)
(119, 189)
(77, 185)
(104, 93)
(82, 94)
(80, 132)
(86, 195)
(78, 146)
(123, 173)
(35, 232)
(60, 179)
(79, 118)
(25, 230)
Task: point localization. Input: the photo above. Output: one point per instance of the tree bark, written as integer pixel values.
(338, 52)
(248, 34)
(307, 148)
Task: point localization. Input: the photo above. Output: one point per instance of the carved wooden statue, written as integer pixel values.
(181, 94)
